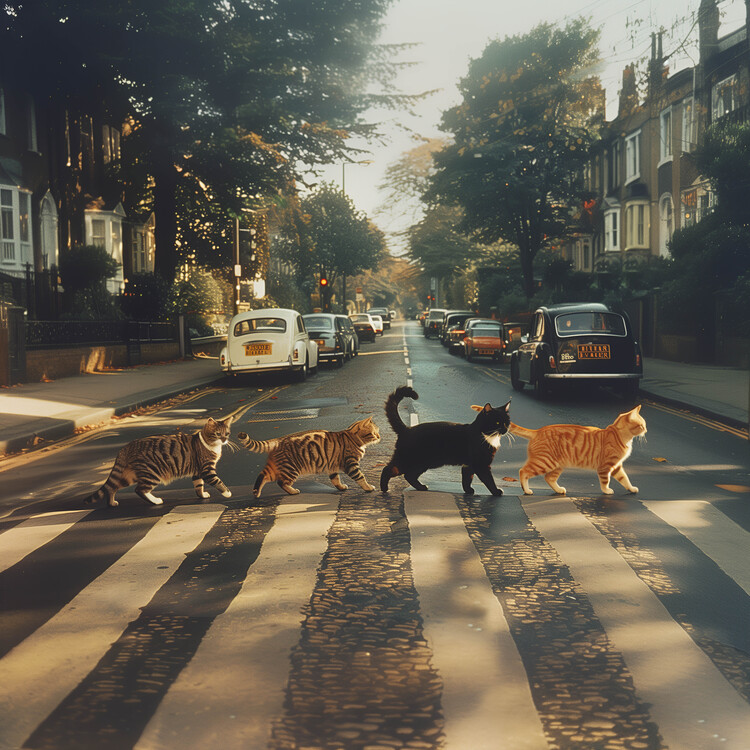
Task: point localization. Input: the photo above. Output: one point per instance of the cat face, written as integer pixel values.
(633, 422)
(367, 430)
(492, 421)
(217, 430)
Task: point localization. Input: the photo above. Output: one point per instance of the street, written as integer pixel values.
(364, 621)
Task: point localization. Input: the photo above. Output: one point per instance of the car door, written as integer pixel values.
(527, 351)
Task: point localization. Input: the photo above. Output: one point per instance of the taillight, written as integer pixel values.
(637, 360)
(552, 362)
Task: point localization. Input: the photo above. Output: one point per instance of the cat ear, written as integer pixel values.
(507, 407)
(210, 420)
(228, 420)
(477, 408)
(487, 407)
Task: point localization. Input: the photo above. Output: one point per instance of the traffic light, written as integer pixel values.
(323, 281)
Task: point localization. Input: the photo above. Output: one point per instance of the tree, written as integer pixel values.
(84, 271)
(339, 240)
(521, 136)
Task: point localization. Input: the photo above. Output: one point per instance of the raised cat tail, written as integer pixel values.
(391, 407)
(516, 429)
(256, 446)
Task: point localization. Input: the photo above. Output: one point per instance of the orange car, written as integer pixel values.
(484, 338)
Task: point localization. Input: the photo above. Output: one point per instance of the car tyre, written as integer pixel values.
(302, 372)
(541, 389)
(469, 355)
(515, 381)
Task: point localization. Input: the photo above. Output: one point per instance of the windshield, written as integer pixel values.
(485, 330)
(318, 322)
(574, 324)
(273, 325)
(361, 318)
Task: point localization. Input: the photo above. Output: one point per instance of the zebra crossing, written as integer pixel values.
(339, 621)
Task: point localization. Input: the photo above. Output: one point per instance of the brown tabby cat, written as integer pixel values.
(314, 452)
(160, 459)
(557, 446)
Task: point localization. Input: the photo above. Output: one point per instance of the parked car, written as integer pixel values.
(434, 321)
(513, 334)
(578, 343)
(383, 313)
(451, 319)
(350, 335)
(392, 314)
(325, 329)
(269, 341)
(377, 321)
(484, 339)
(364, 325)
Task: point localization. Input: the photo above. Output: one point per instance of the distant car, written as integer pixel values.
(392, 314)
(455, 338)
(578, 343)
(350, 335)
(325, 329)
(451, 319)
(383, 313)
(378, 323)
(364, 325)
(484, 339)
(271, 340)
(433, 322)
(513, 334)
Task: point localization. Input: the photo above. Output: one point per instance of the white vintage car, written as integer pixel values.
(268, 341)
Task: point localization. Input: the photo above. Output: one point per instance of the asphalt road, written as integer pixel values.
(361, 620)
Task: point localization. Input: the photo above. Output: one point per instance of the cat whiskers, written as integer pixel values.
(233, 447)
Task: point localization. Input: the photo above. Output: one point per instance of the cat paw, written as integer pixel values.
(528, 492)
(226, 493)
(204, 495)
(607, 491)
(113, 503)
(497, 492)
(368, 488)
(154, 500)
(560, 490)
(633, 490)
(470, 491)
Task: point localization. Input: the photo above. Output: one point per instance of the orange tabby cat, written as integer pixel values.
(557, 446)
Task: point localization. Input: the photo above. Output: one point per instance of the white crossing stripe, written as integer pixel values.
(40, 672)
(720, 538)
(233, 688)
(35, 532)
(486, 693)
(691, 702)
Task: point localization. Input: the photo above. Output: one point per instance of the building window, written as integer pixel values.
(724, 97)
(633, 157)
(2, 111)
(666, 214)
(49, 237)
(98, 230)
(636, 226)
(613, 164)
(665, 132)
(31, 125)
(110, 144)
(697, 203)
(688, 124)
(611, 230)
(7, 224)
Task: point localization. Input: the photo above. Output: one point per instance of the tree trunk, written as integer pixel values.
(165, 208)
(527, 269)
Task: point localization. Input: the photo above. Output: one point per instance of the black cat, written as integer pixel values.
(433, 444)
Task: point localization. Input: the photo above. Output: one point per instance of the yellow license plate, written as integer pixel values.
(486, 351)
(255, 350)
(593, 351)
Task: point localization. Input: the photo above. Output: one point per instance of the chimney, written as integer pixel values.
(629, 91)
(656, 66)
(708, 28)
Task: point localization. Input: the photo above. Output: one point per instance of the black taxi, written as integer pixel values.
(582, 342)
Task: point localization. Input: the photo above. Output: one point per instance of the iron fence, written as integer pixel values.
(60, 334)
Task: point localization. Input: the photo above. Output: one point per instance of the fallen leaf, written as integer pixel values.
(660, 459)
(509, 479)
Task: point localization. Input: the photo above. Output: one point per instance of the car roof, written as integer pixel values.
(319, 315)
(572, 307)
(266, 312)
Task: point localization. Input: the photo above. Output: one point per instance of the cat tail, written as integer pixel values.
(391, 407)
(256, 446)
(516, 429)
(118, 478)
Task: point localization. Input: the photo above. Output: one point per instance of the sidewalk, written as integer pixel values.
(54, 410)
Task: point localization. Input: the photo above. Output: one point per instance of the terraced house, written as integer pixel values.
(641, 176)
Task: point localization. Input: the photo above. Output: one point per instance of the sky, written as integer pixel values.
(449, 33)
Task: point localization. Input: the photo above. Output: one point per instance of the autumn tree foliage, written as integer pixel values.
(520, 138)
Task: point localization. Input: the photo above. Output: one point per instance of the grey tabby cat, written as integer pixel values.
(160, 459)
(314, 452)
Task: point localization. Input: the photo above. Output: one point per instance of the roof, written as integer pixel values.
(571, 307)
(266, 312)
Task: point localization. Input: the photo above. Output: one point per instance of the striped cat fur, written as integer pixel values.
(314, 452)
(558, 446)
(161, 459)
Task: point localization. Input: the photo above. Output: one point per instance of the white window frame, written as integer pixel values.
(16, 238)
(666, 223)
(688, 124)
(719, 104)
(613, 161)
(112, 225)
(612, 230)
(637, 225)
(665, 136)
(49, 239)
(633, 157)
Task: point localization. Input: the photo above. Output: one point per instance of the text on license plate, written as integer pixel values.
(253, 350)
(593, 351)
(486, 351)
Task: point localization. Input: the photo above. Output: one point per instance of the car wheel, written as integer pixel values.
(339, 361)
(469, 355)
(541, 389)
(302, 372)
(515, 381)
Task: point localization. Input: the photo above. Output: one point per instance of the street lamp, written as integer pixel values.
(343, 190)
